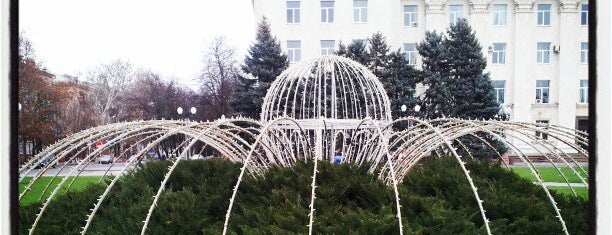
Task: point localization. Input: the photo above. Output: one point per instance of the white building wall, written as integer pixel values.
(521, 34)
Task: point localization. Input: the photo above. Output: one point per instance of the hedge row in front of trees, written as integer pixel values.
(435, 199)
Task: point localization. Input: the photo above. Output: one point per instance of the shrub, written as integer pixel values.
(435, 198)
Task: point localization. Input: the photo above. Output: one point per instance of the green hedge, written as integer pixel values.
(435, 198)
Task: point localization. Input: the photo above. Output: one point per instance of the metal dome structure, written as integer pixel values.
(332, 99)
(316, 110)
(330, 87)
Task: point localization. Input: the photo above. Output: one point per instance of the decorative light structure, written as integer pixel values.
(314, 109)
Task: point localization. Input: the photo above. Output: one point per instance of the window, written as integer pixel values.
(543, 14)
(543, 52)
(499, 53)
(327, 47)
(584, 15)
(584, 91)
(499, 14)
(410, 16)
(500, 87)
(454, 13)
(294, 51)
(360, 11)
(584, 52)
(293, 12)
(543, 125)
(327, 11)
(410, 53)
(542, 91)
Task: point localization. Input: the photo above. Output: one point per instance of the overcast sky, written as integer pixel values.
(168, 37)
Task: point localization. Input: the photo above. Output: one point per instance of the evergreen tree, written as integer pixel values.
(475, 97)
(453, 70)
(400, 83)
(341, 49)
(378, 55)
(358, 52)
(397, 76)
(438, 98)
(262, 65)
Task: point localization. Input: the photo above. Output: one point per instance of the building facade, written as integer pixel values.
(537, 50)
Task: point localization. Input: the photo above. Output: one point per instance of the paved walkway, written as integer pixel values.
(558, 184)
(547, 164)
(93, 169)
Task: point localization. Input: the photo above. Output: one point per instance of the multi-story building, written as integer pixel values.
(537, 50)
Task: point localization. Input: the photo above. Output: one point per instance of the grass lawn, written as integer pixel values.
(582, 192)
(550, 174)
(33, 194)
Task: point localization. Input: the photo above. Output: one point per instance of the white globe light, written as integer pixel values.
(193, 110)
(19, 106)
(404, 108)
(417, 108)
(179, 110)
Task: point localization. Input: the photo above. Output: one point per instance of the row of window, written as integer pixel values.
(542, 86)
(360, 13)
(498, 51)
(542, 91)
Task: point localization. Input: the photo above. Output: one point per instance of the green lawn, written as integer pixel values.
(550, 174)
(582, 192)
(33, 194)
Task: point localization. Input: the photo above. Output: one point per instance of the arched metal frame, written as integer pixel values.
(314, 108)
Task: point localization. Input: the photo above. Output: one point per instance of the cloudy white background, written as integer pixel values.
(168, 37)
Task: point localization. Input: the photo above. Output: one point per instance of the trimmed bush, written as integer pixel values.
(435, 198)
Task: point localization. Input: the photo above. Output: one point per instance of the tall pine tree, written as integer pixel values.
(400, 82)
(262, 65)
(453, 71)
(356, 51)
(397, 76)
(438, 99)
(378, 55)
(475, 97)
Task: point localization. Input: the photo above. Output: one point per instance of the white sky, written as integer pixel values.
(168, 37)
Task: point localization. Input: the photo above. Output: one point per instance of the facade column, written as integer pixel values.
(569, 62)
(523, 84)
(435, 17)
(480, 20)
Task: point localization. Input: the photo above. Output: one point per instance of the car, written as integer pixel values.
(105, 159)
(196, 156)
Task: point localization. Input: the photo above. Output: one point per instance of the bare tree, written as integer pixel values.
(153, 98)
(218, 77)
(109, 83)
(75, 107)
